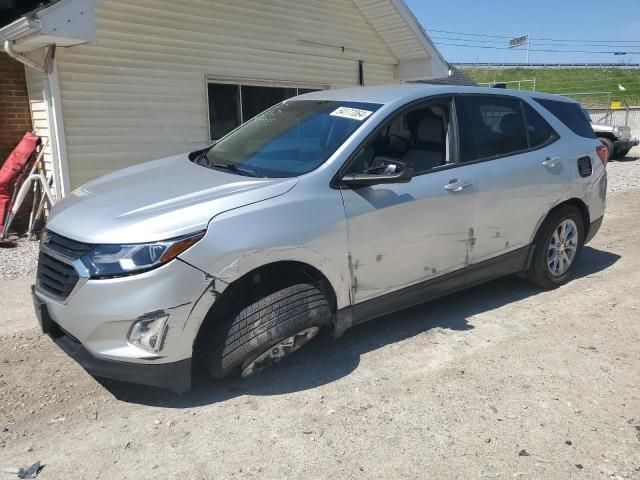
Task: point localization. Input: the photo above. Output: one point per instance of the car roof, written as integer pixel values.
(386, 94)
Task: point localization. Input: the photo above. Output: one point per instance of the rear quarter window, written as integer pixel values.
(570, 114)
(538, 130)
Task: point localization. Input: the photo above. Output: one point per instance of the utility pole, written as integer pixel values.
(529, 48)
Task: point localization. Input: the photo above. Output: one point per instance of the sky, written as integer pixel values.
(613, 21)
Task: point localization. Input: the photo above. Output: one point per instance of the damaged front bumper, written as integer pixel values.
(93, 326)
(175, 376)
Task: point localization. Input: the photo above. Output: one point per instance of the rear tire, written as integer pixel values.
(264, 331)
(557, 249)
(609, 144)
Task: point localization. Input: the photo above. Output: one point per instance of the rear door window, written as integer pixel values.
(570, 114)
(490, 126)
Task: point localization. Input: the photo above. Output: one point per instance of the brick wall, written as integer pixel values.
(15, 117)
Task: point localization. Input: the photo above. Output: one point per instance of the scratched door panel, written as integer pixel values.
(403, 234)
(514, 188)
(513, 195)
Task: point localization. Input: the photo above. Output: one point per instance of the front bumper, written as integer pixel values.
(621, 145)
(175, 376)
(93, 324)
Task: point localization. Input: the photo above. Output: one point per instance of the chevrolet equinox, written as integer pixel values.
(325, 211)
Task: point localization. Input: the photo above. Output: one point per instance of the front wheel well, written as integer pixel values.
(608, 136)
(259, 283)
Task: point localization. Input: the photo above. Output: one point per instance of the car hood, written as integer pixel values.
(157, 200)
(601, 127)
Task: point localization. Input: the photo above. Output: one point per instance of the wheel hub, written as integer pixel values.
(563, 246)
(278, 351)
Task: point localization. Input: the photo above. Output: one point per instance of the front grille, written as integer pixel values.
(625, 133)
(65, 246)
(56, 277)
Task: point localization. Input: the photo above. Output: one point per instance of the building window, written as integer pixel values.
(232, 104)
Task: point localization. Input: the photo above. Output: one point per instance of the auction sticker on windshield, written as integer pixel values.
(352, 113)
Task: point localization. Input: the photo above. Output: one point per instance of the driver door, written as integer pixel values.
(406, 233)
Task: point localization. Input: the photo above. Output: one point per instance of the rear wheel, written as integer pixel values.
(557, 248)
(264, 331)
(609, 144)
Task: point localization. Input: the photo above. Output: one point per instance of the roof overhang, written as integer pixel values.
(418, 57)
(64, 23)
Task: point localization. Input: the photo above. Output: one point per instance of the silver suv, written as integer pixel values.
(325, 211)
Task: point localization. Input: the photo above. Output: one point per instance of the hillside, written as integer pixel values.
(570, 80)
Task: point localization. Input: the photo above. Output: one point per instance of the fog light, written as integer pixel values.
(149, 333)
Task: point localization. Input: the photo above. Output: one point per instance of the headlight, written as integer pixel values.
(108, 261)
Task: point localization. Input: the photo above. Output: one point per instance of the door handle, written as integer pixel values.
(551, 162)
(457, 185)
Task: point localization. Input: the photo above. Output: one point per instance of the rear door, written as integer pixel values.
(522, 170)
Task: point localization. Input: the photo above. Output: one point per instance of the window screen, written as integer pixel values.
(490, 126)
(230, 105)
(570, 114)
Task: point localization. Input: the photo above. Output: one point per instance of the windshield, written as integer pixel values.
(586, 113)
(290, 139)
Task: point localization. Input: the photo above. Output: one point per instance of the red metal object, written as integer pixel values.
(11, 168)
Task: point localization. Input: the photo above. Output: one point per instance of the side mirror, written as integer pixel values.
(384, 171)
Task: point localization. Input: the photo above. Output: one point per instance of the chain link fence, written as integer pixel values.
(591, 100)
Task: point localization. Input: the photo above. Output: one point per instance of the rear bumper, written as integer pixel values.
(621, 145)
(593, 229)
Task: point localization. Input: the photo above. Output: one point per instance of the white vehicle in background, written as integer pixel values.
(616, 138)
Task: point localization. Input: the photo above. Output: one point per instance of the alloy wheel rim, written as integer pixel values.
(275, 353)
(563, 247)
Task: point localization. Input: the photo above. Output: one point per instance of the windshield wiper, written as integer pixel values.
(235, 169)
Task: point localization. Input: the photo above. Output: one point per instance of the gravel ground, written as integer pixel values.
(504, 381)
(20, 261)
(624, 174)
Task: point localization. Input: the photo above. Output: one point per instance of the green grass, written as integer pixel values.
(571, 81)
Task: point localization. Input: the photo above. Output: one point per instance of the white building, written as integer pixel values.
(134, 80)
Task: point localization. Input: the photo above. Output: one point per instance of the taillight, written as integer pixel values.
(603, 153)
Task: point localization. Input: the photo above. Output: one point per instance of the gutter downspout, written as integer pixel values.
(51, 95)
(8, 47)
